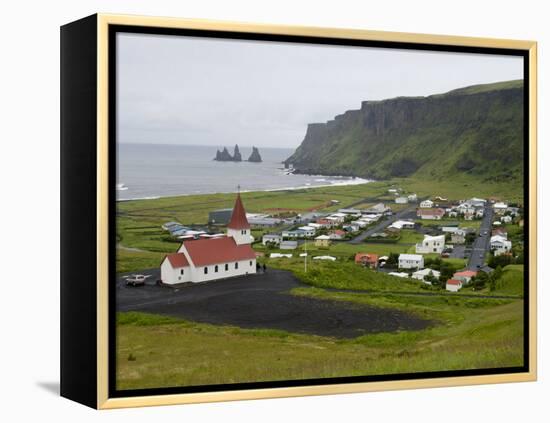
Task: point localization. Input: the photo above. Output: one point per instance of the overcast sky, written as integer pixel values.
(188, 90)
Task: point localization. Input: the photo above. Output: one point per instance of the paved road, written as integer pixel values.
(407, 213)
(458, 252)
(263, 301)
(482, 243)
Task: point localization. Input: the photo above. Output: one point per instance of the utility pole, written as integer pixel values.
(305, 257)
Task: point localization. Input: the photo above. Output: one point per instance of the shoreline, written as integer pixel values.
(349, 182)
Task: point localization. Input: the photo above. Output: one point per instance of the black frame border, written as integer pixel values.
(113, 30)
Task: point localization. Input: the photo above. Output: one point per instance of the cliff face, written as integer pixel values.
(477, 130)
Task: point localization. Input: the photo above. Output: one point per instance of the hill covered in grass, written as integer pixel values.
(475, 130)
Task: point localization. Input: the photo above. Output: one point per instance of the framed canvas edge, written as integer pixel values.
(103, 22)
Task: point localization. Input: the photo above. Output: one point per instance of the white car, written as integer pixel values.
(136, 280)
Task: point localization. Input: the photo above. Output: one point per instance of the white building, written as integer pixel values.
(402, 224)
(308, 230)
(422, 274)
(411, 261)
(272, 238)
(500, 208)
(412, 198)
(506, 219)
(450, 229)
(431, 244)
(453, 285)
(426, 204)
(208, 259)
(500, 245)
(377, 208)
(401, 200)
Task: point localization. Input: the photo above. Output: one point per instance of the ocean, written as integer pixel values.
(154, 171)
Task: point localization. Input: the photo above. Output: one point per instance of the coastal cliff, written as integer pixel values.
(476, 130)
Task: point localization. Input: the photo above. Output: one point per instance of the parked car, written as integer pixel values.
(136, 280)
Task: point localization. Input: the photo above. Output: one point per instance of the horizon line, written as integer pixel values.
(206, 145)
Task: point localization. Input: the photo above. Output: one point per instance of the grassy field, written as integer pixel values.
(468, 333)
(154, 351)
(512, 280)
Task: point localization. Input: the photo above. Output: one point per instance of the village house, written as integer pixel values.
(322, 241)
(412, 198)
(453, 285)
(295, 234)
(431, 214)
(360, 223)
(500, 208)
(337, 234)
(450, 228)
(338, 217)
(351, 212)
(308, 231)
(464, 276)
(402, 224)
(500, 245)
(401, 200)
(431, 244)
(422, 274)
(272, 239)
(426, 204)
(411, 261)
(325, 223)
(458, 237)
(372, 216)
(366, 259)
(201, 260)
(476, 202)
(506, 219)
(379, 208)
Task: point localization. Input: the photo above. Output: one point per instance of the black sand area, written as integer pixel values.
(263, 301)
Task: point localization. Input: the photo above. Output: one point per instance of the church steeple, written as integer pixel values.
(238, 227)
(238, 217)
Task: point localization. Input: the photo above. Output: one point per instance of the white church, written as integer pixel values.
(207, 259)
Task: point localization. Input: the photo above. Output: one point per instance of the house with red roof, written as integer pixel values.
(366, 259)
(454, 285)
(465, 276)
(206, 259)
(434, 213)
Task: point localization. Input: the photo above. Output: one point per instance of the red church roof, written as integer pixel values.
(177, 260)
(238, 217)
(217, 250)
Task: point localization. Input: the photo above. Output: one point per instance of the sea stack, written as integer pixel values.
(237, 154)
(223, 156)
(255, 156)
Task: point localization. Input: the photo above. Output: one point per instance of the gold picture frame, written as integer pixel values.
(101, 23)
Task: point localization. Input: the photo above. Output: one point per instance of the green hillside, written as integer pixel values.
(475, 131)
